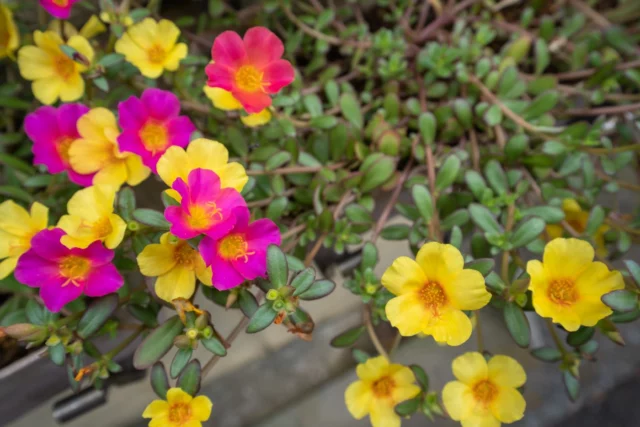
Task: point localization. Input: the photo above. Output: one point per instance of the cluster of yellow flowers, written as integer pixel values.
(432, 294)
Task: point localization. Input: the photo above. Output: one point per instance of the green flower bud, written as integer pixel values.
(133, 226)
(279, 305)
(273, 295)
(182, 341)
(192, 333)
(207, 332)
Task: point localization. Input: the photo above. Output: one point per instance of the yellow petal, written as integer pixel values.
(222, 99)
(207, 154)
(155, 409)
(538, 282)
(90, 155)
(136, 170)
(47, 90)
(131, 50)
(470, 368)
(257, 119)
(358, 398)
(440, 262)
(201, 408)
(408, 314)
(144, 33)
(596, 280)
(458, 400)
(405, 392)
(35, 63)
(119, 226)
(554, 231)
(161, 421)
(177, 395)
(476, 420)
(174, 164)
(86, 203)
(92, 27)
(401, 374)
(7, 266)
(468, 291)
(167, 33)
(566, 257)
(373, 368)
(175, 55)
(82, 45)
(48, 40)
(72, 88)
(452, 327)
(233, 175)
(203, 273)
(403, 276)
(14, 219)
(113, 174)
(39, 216)
(508, 405)
(570, 206)
(179, 282)
(505, 371)
(156, 260)
(384, 416)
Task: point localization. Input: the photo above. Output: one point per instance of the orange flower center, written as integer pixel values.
(74, 268)
(433, 296)
(154, 136)
(562, 291)
(577, 224)
(383, 387)
(103, 228)
(484, 392)
(234, 247)
(179, 413)
(201, 217)
(249, 79)
(62, 146)
(61, 3)
(156, 54)
(64, 66)
(185, 255)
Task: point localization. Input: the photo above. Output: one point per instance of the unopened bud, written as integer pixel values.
(273, 295)
(278, 305)
(370, 288)
(53, 340)
(207, 332)
(192, 333)
(133, 226)
(182, 341)
(25, 332)
(202, 321)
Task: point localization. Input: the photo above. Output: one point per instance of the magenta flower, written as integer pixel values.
(52, 131)
(61, 9)
(251, 69)
(151, 124)
(63, 274)
(242, 254)
(205, 207)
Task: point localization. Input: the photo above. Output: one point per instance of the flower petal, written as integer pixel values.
(228, 50)
(177, 395)
(219, 76)
(440, 262)
(255, 265)
(477, 420)
(47, 91)
(403, 276)
(56, 295)
(201, 408)
(262, 233)
(468, 291)
(262, 46)
(156, 259)
(358, 398)
(222, 99)
(458, 400)
(408, 314)
(103, 280)
(373, 369)
(252, 102)
(7, 266)
(509, 405)
(225, 276)
(470, 367)
(505, 371)
(567, 257)
(384, 416)
(155, 409)
(179, 282)
(452, 327)
(160, 104)
(132, 113)
(277, 75)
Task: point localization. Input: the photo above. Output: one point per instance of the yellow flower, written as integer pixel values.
(204, 154)
(176, 264)
(224, 100)
(179, 410)
(113, 18)
(17, 227)
(432, 292)
(567, 285)
(53, 73)
(91, 218)
(485, 394)
(96, 151)
(151, 46)
(577, 219)
(89, 30)
(381, 386)
(9, 35)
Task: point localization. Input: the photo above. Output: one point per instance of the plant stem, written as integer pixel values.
(230, 339)
(615, 109)
(556, 338)
(366, 313)
(124, 344)
(479, 332)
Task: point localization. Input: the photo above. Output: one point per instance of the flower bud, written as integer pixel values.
(202, 321)
(182, 341)
(207, 332)
(25, 332)
(273, 295)
(53, 340)
(192, 333)
(133, 226)
(278, 305)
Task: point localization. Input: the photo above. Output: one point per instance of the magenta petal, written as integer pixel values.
(56, 296)
(204, 186)
(207, 249)
(42, 124)
(228, 49)
(103, 280)
(132, 113)
(46, 244)
(83, 180)
(60, 12)
(68, 115)
(183, 189)
(242, 215)
(262, 233)
(255, 265)
(220, 76)
(180, 130)
(98, 254)
(180, 226)
(252, 102)
(129, 141)
(262, 46)
(35, 271)
(277, 75)
(161, 104)
(224, 275)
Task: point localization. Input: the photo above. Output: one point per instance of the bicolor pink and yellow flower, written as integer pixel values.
(52, 131)
(17, 228)
(63, 274)
(152, 47)
(251, 69)
(151, 124)
(176, 265)
(91, 219)
(224, 100)
(205, 208)
(54, 74)
(179, 410)
(201, 153)
(96, 152)
(242, 254)
(59, 8)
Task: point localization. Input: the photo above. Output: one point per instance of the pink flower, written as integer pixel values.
(242, 254)
(61, 9)
(63, 274)
(205, 207)
(251, 69)
(52, 131)
(151, 124)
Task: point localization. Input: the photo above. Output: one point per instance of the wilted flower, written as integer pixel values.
(63, 274)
